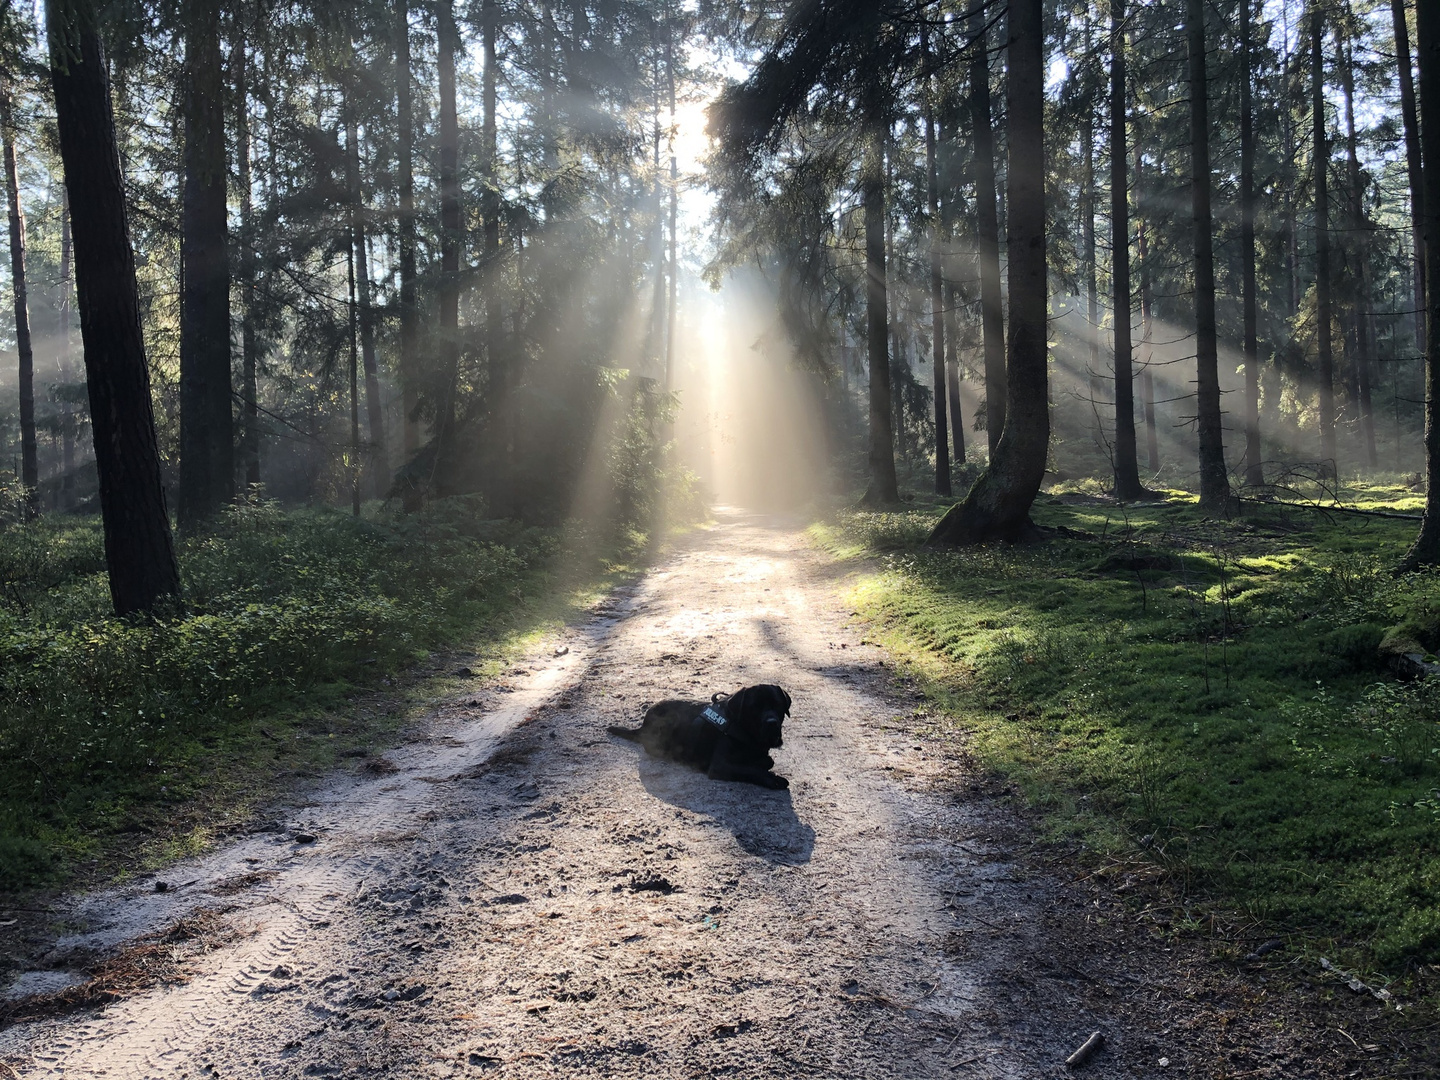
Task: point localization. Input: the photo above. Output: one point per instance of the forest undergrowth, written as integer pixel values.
(127, 742)
(1229, 707)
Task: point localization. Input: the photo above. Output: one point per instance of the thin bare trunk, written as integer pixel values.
(249, 346)
(409, 310)
(883, 488)
(1214, 479)
(937, 299)
(62, 311)
(450, 234)
(1254, 456)
(1412, 160)
(987, 226)
(376, 460)
(1127, 470)
(1147, 326)
(29, 450)
(1320, 180)
(1360, 265)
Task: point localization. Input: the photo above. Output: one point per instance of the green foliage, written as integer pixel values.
(101, 712)
(1211, 693)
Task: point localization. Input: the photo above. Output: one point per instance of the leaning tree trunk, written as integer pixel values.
(29, 454)
(1254, 456)
(883, 488)
(937, 290)
(1426, 549)
(1127, 469)
(998, 506)
(1214, 480)
(1412, 160)
(207, 479)
(987, 227)
(139, 552)
(1324, 306)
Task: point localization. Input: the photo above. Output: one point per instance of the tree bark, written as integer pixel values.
(1412, 160)
(1127, 469)
(1087, 243)
(998, 506)
(1360, 260)
(1320, 181)
(500, 363)
(883, 487)
(987, 227)
(1426, 549)
(1214, 479)
(1147, 325)
(409, 310)
(377, 460)
(139, 552)
(937, 291)
(207, 479)
(673, 300)
(249, 346)
(29, 450)
(1254, 455)
(450, 232)
(62, 313)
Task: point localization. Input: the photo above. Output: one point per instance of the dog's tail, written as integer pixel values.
(633, 734)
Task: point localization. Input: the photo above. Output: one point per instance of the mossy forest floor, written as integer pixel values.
(1216, 706)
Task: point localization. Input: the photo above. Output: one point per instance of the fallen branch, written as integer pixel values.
(1087, 1050)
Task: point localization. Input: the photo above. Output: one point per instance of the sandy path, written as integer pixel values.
(572, 908)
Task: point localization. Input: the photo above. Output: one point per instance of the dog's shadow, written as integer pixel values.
(762, 821)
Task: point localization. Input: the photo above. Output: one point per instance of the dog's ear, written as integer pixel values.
(785, 698)
(737, 703)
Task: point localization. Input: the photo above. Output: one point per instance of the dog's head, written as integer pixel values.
(759, 712)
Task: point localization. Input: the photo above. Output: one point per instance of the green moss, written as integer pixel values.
(1232, 712)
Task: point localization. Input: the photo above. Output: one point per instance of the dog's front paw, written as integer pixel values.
(776, 783)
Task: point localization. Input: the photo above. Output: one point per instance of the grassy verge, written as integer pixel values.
(125, 743)
(1218, 698)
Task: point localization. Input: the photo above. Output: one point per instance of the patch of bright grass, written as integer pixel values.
(1209, 692)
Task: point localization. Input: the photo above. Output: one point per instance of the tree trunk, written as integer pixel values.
(670, 306)
(883, 488)
(1087, 246)
(376, 460)
(1359, 248)
(207, 479)
(998, 506)
(1412, 160)
(409, 308)
(1127, 469)
(139, 552)
(1214, 480)
(1426, 549)
(249, 348)
(937, 291)
(1147, 325)
(450, 232)
(62, 312)
(29, 452)
(501, 373)
(952, 375)
(987, 226)
(1320, 181)
(1254, 455)
(355, 454)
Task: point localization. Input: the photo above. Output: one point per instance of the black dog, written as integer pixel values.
(727, 739)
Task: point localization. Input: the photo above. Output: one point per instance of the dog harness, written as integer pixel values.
(717, 718)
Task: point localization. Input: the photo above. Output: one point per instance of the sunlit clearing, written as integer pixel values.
(750, 424)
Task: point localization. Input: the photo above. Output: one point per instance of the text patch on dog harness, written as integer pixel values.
(715, 718)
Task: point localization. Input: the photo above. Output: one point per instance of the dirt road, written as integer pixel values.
(519, 894)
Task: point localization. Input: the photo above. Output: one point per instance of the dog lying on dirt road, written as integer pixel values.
(727, 738)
